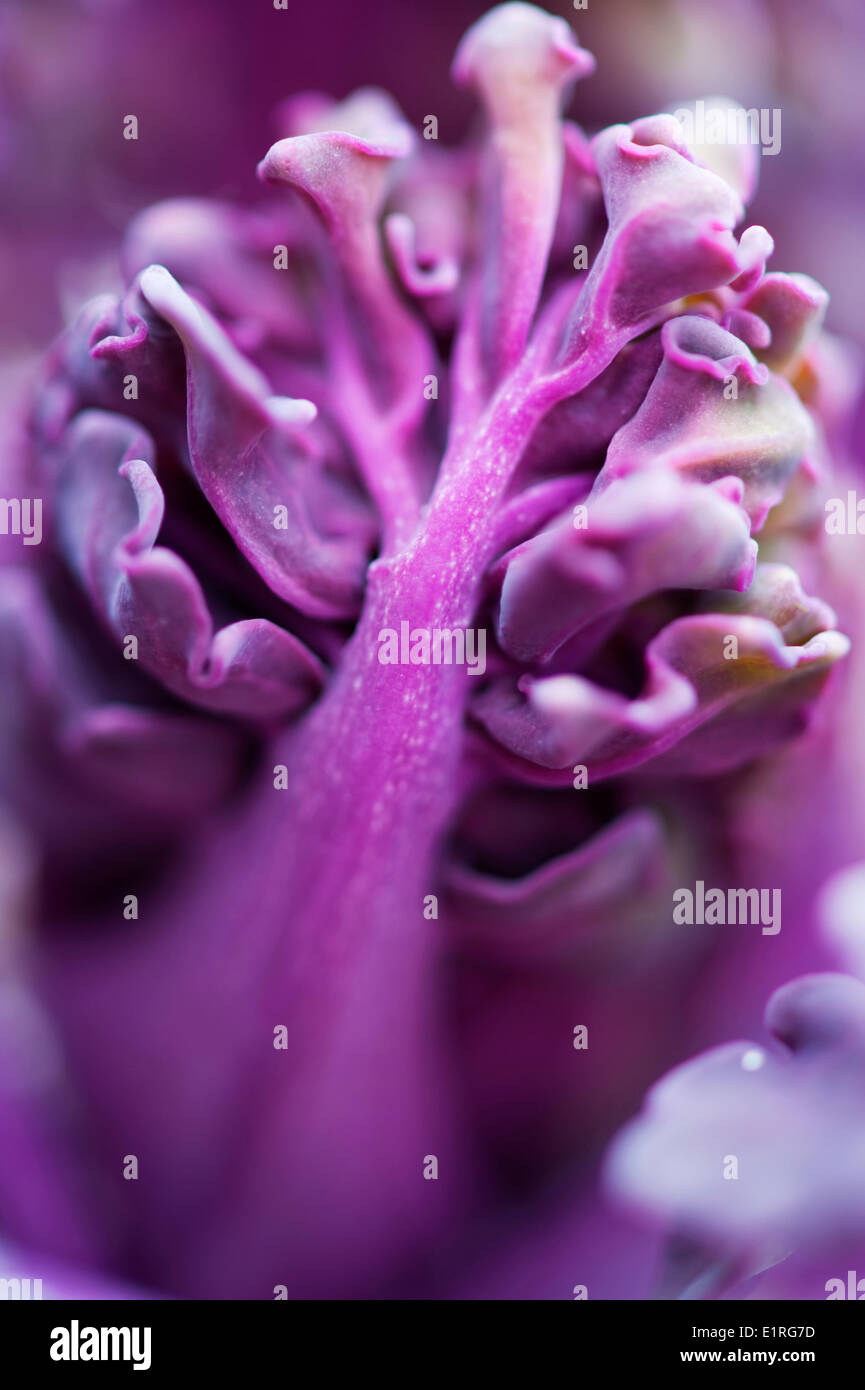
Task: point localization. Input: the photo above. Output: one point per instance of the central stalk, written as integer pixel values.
(359, 1103)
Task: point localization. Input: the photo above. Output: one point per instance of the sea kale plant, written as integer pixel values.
(425, 557)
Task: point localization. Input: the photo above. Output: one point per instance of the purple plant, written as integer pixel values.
(378, 659)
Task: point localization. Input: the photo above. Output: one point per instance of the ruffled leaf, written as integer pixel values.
(575, 907)
(246, 450)
(746, 702)
(670, 235)
(346, 171)
(521, 61)
(645, 534)
(713, 410)
(110, 512)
